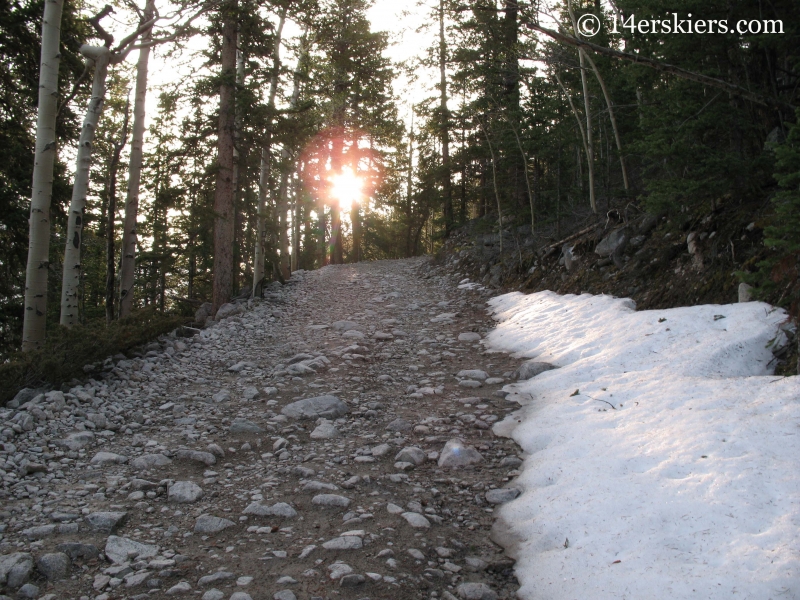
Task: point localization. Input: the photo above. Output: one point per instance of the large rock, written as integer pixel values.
(184, 492)
(211, 524)
(329, 407)
(281, 509)
(411, 454)
(104, 459)
(531, 368)
(15, 569)
(105, 522)
(416, 520)
(455, 454)
(228, 310)
(613, 241)
(54, 566)
(120, 550)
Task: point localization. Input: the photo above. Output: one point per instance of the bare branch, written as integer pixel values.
(95, 22)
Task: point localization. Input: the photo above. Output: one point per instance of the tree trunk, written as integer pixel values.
(238, 234)
(223, 195)
(496, 192)
(71, 279)
(33, 328)
(129, 235)
(111, 194)
(409, 193)
(261, 227)
(447, 191)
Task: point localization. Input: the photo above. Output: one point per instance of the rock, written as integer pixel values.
(105, 522)
(120, 550)
(345, 542)
(205, 458)
(473, 374)
(352, 580)
(28, 592)
(399, 425)
(469, 336)
(745, 292)
(416, 554)
(103, 459)
(394, 509)
(213, 594)
(502, 495)
(179, 589)
(344, 325)
(250, 393)
(211, 524)
(319, 406)
(242, 595)
(184, 492)
(284, 595)
(511, 461)
(610, 243)
(330, 501)
(353, 334)
(325, 430)
(475, 564)
(476, 591)
(150, 461)
(215, 577)
(244, 426)
(380, 450)
(228, 310)
(221, 396)
(76, 550)
(81, 439)
(281, 509)
(382, 336)
(470, 383)
(339, 569)
(416, 520)
(411, 454)
(455, 454)
(15, 569)
(202, 313)
(531, 368)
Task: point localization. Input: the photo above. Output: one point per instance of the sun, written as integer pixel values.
(346, 188)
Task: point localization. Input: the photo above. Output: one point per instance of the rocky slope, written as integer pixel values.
(331, 441)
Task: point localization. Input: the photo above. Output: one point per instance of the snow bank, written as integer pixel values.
(689, 487)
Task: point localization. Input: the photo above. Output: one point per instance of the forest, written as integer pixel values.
(273, 138)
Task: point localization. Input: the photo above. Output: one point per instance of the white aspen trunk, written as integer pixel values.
(296, 227)
(261, 225)
(266, 163)
(71, 279)
(577, 118)
(33, 328)
(129, 236)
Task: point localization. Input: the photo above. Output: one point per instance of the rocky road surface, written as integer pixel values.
(333, 440)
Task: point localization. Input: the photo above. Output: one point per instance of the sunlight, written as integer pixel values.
(346, 188)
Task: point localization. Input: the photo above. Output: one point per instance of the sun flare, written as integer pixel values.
(346, 188)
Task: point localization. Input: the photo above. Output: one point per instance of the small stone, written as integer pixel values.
(330, 501)
(416, 520)
(380, 450)
(150, 461)
(120, 550)
(416, 554)
(108, 458)
(184, 492)
(281, 509)
(412, 455)
(394, 509)
(476, 591)
(244, 426)
(470, 383)
(473, 374)
(501, 495)
(28, 592)
(325, 430)
(240, 596)
(400, 425)
(352, 580)
(211, 524)
(284, 595)
(455, 454)
(745, 292)
(221, 396)
(313, 408)
(348, 542)
(339, 569)
(55, 566)
(215, 577)
(469, 336)
(105, 522)
(476, 564)
(511, 461)
(206, 458)
(213, 594)
(244, 580)
(179, 588)
(77, 550)
(531, 368)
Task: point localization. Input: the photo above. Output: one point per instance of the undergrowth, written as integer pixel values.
(67, 350)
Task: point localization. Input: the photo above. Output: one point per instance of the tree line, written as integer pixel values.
(528, 122)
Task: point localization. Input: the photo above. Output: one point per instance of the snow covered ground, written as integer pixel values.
(663, 458)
